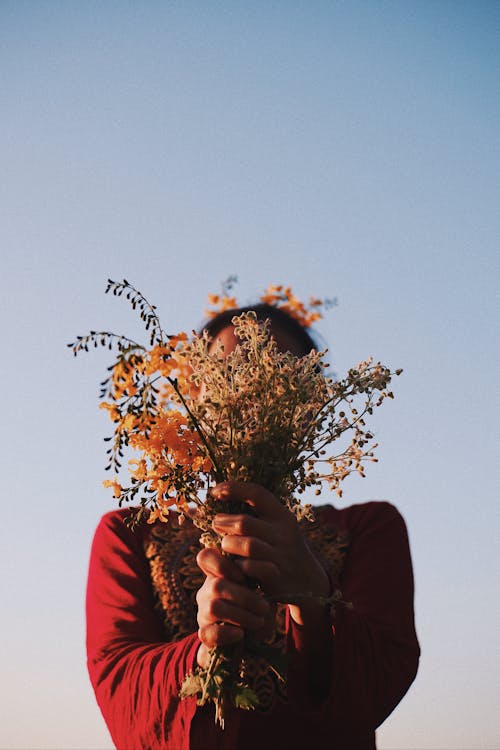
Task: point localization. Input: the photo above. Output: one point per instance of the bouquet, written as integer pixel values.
(194, 416)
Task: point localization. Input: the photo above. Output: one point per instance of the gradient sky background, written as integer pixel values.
(350, 149)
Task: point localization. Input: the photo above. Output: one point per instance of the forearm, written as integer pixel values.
(136, 673)
(137, 689)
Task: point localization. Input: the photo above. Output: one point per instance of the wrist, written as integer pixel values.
(311, 613)
(311, 606)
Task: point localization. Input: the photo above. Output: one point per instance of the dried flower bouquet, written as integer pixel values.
(196, 417)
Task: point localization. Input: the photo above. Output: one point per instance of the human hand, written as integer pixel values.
(226, 605)
(270, 548)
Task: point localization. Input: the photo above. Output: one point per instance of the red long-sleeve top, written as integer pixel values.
(140, 599)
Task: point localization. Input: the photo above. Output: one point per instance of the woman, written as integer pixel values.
(156, 605)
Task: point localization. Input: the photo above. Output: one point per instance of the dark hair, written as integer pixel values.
(264, 312)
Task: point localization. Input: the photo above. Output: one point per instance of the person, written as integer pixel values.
(156, 604)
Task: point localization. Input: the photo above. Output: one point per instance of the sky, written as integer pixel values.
(349, 149)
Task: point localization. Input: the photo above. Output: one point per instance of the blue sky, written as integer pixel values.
(348, 149)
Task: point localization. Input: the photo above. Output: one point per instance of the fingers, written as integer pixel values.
(219, 634)
(247, 546)
(265, 572)
(227, 607)
(226, 610)
(215, 635)
(214, 564)
(252, 562)
(222, 634)
(264, 502)
(244, 525)
(222, 600)
(222, 611)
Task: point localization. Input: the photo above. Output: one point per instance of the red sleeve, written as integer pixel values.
(135, 673)
(372, 650)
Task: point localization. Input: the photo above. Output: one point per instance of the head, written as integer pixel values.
(288, 333)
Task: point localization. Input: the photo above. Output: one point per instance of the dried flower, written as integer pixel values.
(195, 417)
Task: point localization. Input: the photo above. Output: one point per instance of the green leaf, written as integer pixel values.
(246, 698)
(191, 685)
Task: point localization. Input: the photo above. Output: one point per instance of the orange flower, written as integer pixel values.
(276, 295)
(160, 511)
(283, 298)
(223, 303)
(141, 471)
(160, 360)
(177, 339)
(117, 488)
(168, 435)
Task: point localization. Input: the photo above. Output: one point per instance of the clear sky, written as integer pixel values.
(350, 149)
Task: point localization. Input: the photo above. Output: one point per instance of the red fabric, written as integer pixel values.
(369, 655)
